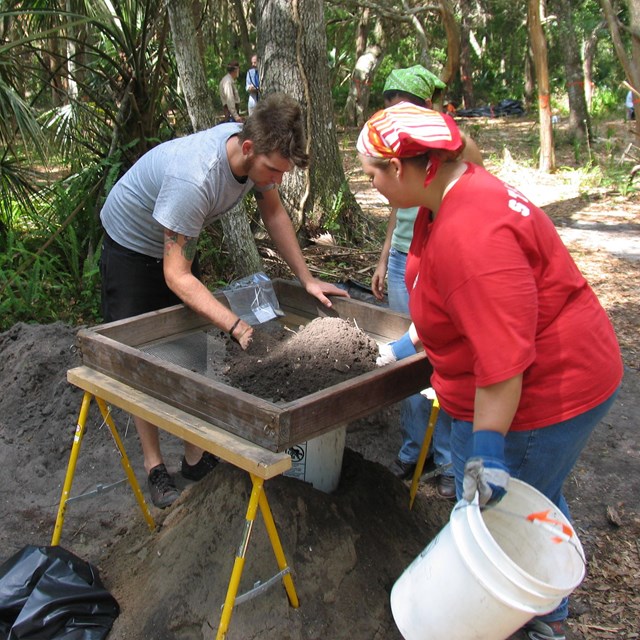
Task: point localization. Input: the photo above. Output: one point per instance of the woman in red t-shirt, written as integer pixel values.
(525, 358)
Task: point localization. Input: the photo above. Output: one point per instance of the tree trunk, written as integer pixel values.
(588, 54)
(56, 81)
(453, 42)
(293, 50)
(72, 85)
(630, 63)
(529, 80)
(421, 36)
(465, 56)
(539, 47)
(368, 59)
(247, 47)
(362, 32)
(235, 224)
(579, 121)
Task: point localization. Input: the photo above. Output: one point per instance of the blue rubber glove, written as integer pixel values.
(401, 348)
(486, 471)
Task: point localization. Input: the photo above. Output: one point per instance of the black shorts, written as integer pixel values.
(133, 283)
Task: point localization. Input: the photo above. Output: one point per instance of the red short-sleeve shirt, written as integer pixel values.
(495, 293)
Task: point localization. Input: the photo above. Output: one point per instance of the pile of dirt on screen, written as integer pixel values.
(282, 365)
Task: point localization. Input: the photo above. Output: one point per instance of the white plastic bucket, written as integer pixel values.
(319, 460)
(488, 572)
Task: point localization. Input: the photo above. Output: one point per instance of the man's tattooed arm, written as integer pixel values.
(187, 245)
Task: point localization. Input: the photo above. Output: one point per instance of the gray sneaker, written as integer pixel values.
(538, 630)
(162, 487)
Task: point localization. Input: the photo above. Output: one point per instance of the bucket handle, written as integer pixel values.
(561, 531)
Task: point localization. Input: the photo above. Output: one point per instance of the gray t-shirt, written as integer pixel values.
(182, 185)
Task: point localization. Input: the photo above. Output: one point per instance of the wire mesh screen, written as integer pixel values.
(201, 352)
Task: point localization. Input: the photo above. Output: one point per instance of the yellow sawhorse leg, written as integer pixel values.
(73, 459)
(258, 498)
(426, 442)
(126, 465)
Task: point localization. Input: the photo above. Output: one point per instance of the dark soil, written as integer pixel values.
(282, 365)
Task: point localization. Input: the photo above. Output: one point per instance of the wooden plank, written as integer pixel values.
(356, 398)
(294, 300)
(240, 413)
(238, 451)
(152, 326)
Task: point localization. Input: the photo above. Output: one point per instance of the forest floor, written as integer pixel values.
(346, 548)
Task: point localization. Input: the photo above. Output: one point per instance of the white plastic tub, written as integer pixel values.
(488, 572)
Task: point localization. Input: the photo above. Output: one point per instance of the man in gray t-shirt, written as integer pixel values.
(154, 215)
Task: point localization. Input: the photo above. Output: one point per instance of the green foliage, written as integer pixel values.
(120, 97)
(215, 70)
(17, 189)
(607, 102)
(50, 262)
(341, 28)
(215, 262)
(77, 131)
(44, 292)
(331, 221)
(617, 177)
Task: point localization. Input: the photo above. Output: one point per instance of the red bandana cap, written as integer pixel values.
(406, 130)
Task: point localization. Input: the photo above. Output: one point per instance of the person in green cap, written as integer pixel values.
(416, 85)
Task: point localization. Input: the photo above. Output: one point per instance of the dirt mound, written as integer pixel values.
(32, 370)
(346, 550)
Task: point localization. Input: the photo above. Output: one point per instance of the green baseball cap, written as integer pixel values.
(415, 80)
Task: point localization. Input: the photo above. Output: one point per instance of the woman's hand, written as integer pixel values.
(486, 471)
(377, 280)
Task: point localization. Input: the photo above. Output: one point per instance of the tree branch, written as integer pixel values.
(613, 24)
(403, 14)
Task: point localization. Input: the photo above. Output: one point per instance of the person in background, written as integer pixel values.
(253, 84)
(415, 85)
(229, 93)
(525, 359)
(629, 104)
(152, 219)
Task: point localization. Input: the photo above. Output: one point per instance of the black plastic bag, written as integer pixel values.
(506, 107)
(49, 593)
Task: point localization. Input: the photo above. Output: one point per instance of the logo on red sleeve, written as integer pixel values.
(517, 202)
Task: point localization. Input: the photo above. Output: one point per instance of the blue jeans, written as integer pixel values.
(542, 458)
(416, 409)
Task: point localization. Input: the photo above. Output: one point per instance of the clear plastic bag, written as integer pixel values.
(253, 298)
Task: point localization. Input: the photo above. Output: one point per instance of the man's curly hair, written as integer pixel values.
(276, 125)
